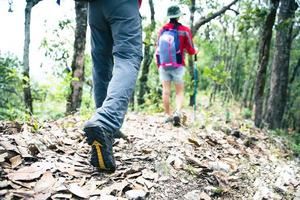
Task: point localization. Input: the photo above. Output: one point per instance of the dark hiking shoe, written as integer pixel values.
(102, 153)
(176, 119)
(168, 120)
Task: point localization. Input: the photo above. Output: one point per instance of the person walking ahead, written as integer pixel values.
(173, 40)
(116, 42)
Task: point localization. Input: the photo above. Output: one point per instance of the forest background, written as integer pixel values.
(249, 54)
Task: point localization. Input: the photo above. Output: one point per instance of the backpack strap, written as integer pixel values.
(176, 24)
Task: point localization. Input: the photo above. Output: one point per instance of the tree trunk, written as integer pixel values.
(148, 56)
(264, 52)
(75, 97)
(280, 68)
(26, 69)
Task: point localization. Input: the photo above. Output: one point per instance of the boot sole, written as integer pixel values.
(176, 121)
(98, 143)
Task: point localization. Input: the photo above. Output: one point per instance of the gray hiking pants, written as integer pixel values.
(116, 41)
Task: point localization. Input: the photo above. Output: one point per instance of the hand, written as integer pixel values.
(197, 50)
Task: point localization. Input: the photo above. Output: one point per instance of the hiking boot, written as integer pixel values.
(102, 153)
(168, 120)
(176, 119)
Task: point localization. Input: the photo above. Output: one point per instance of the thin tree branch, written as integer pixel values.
(235, 11)
(205, 20)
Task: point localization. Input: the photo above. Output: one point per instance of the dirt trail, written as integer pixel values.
(208, 160)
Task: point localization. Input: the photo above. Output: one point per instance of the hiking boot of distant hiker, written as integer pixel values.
(176, 118)
(168, 119)
(102, 152)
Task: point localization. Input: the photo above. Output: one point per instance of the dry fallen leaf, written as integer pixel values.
(32, 172)
(61, 196)
(233, 164)
(144, 182)
(3, 192)
(65, 168)
(204, 196)
(8, 146)
(116, 188)
(15, 161)
(24, 152)
(75, 189)
(45, 183)
(42, 196)
(23, 194)
(3, 156)
(148, 174)
(4, 183)
(195, 141)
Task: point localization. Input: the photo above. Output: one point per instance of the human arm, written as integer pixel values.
(189, 43)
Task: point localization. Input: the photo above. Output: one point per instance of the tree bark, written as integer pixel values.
(263, 59)
(280, 68)
(75, 97)
(148, 56)
(26, 69)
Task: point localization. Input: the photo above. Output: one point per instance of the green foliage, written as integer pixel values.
(227, 115)
(87, 104)
(217, 74)
(163, 168)
(292, 115)
(50, 95)
(153, 99)
(185, 2)
(190, 170)
(247, 113)
(292, 140)
(252, 16)
(11, 100)
(57, 46)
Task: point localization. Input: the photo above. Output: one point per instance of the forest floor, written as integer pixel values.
(211, 158)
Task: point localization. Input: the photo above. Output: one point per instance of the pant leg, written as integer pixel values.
(101, 44)
(125, 22)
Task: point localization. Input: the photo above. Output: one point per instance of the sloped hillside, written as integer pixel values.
(203, 159)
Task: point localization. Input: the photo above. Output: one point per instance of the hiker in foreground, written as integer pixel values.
(173, 40)
(116, 42)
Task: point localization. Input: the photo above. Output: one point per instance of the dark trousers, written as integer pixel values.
(116, 41)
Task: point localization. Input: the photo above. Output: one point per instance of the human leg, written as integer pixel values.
(165, 78)
(125, 24)
(101, 51)
(179, 87)
(166, 97)
(177, 77)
